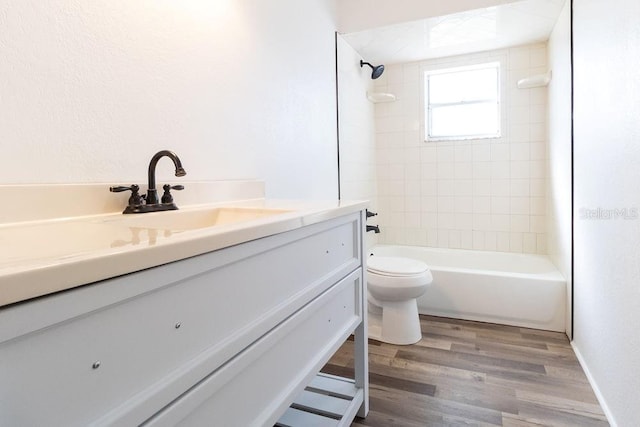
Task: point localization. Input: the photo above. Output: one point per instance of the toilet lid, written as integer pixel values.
(395, 266)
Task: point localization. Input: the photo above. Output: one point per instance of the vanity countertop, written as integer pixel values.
(46, 256)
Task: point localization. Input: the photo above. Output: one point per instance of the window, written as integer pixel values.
(463, 103)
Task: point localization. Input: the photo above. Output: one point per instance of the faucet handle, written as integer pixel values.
(167, 197)
(136, 199)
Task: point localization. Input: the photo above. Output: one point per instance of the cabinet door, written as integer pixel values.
(255, 387)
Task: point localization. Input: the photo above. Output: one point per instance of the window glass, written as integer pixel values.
(463, 103)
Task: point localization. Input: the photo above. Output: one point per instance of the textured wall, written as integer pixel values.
(238, 88)
(606, 176)
(357, 134)
(559, 189)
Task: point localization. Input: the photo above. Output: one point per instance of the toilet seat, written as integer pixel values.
(396, 266)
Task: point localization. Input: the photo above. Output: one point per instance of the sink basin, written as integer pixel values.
(193, 219)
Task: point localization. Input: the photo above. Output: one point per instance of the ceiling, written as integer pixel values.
(521, 22)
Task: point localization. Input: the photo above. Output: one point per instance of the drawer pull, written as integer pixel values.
(96, 364)
(177, 325)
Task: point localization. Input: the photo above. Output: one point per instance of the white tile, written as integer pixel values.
(538, 114)
(429, 187)
(466, 241)
(520, 187)
(481, 187)
(446, 221)
(445, 187)
(454, 239)
(412, 172)
(538, 151)
(463, 170)
(429, 172)
(520, 170)
(412, 139)
(519, 132)
(538, 57)
(428, 154)
(538, 168)
(432, 237)
(481, 205)
(481, 170)
(520, 114)
(394, 74)
(538, 132)
(529, 243)
(500, 170)
(412, 189)
(541, 243)
(538, 206)
(445, 204)
(429, 220)
(443, 238)
(520, 206)
(463, 204)
(446, 153)
(396, 172)
(412, 219)
(500, 205)
(515, 242)
(520, 223)
(538, 223)
(519, 58)
(463, 153)
(446, 170)
(500, 152)
(491, 241)
(538, 187)
(482, 222)
(463, 187)
(463, 221)
(538, 96)
(500, 187)
(500, 222)
(411, 72)
(478, 240)
(520, 151)
(481, 152)
(412, 203)
(503, 241)
(412, 155)
(389, 124)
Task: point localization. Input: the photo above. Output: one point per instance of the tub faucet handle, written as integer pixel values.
(370, 214)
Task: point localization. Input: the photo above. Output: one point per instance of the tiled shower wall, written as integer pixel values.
(482, 194)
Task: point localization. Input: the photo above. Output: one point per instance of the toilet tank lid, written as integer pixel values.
(396, 266)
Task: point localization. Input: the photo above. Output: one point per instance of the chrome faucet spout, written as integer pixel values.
(152, 192)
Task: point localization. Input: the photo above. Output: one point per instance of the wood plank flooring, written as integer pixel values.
(474, 374)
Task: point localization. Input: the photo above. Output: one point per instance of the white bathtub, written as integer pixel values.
(497, 287)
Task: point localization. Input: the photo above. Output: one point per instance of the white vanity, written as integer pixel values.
(206, 322)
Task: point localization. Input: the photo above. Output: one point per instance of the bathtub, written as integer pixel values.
(498, 287)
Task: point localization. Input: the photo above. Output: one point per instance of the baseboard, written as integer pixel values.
(594, 386)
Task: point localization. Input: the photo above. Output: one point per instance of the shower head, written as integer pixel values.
(377, 70)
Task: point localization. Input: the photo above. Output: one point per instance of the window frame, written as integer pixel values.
(456, 66)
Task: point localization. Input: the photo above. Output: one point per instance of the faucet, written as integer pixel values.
(149, 202)
(373, 228)
(152, 193)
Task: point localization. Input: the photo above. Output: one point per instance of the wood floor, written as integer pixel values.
(475, 374)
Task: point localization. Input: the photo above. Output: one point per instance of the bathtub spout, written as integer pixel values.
(373, 228)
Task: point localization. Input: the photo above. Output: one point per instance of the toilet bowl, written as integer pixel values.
(394, 283)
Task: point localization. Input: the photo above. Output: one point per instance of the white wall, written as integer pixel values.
(358, 15)
(357, 132)
(559, 189)
(607, 176)
(238, 88)
(487, 194)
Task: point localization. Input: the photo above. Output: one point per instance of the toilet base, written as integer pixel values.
(396, 322)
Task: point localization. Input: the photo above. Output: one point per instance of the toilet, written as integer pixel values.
(394, 284)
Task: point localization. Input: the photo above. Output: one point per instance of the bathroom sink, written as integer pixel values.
(192, 219)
